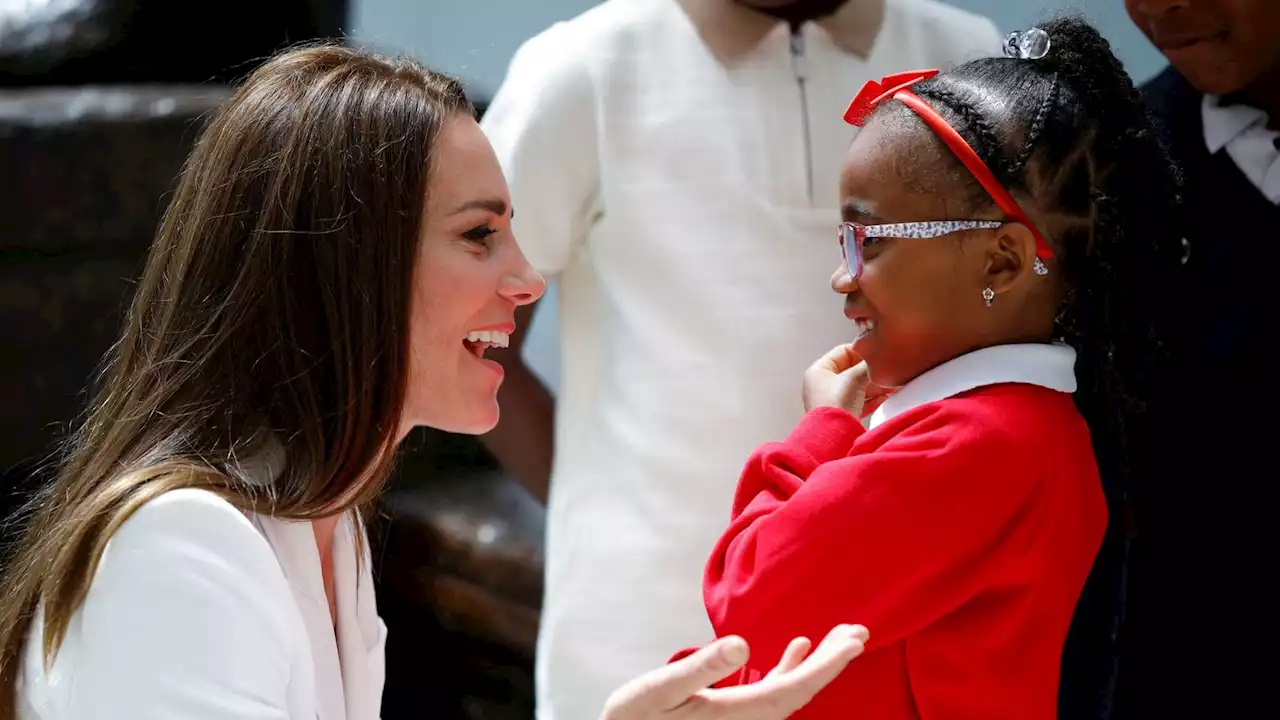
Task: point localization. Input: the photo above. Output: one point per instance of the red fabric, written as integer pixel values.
(960, 533)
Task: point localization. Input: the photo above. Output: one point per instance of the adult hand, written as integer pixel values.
(840, 379)
(680, 691)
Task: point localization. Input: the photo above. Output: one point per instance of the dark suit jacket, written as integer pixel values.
(1179, 620)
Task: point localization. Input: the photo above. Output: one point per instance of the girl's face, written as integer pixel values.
(918, 302)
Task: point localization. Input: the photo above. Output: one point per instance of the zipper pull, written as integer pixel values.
(799, 63)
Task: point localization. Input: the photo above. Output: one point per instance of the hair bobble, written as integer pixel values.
(1031, 44)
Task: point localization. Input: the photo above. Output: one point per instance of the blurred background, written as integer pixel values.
(474, 41)
(100, 101)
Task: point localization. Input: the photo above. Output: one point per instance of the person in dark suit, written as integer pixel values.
(1194, 541)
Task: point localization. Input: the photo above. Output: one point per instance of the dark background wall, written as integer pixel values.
(99, 103)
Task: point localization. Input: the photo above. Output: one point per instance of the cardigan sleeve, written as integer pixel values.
(891, 537)
(185, 618)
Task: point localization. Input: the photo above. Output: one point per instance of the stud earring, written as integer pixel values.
(988, 295)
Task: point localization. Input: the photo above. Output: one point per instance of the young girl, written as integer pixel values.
(992, 214)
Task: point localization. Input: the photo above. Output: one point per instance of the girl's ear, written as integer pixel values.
(1010, 257)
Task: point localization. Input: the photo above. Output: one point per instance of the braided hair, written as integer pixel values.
(1070, 137)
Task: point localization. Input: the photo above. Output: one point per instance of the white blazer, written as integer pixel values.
(199, 611)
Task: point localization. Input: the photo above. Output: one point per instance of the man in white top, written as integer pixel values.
(674, 163)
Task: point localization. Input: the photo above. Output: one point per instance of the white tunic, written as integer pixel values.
(199, 611)
(686, 198)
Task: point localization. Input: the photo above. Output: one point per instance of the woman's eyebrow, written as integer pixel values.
(497, 206)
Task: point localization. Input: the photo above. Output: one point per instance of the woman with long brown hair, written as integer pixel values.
(335, 261)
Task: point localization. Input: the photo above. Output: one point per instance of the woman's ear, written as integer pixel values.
(1010, 257)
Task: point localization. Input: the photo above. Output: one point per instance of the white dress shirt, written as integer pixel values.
(1243, 131)
(683, 185)
(200, 611)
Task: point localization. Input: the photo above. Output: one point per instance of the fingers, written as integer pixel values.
(870, 404)
(778, 696)
(672, 685)
(877, 391)
(837, 649)
(794, 653)
(875, 397)
(839, 359)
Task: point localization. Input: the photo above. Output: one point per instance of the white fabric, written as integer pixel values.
(1243, 132)
(199, 611)
(1050, 366)
(668, 189)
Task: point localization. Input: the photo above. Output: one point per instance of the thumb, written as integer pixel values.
(672, 685)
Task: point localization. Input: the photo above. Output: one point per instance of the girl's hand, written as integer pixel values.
(839, 379)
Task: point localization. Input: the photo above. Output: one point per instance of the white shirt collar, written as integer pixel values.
(1047, 365)
(1242, 131)
(1224, 124)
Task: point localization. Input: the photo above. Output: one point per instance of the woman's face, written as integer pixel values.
(470, 278)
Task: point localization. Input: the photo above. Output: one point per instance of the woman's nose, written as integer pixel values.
(525, 285)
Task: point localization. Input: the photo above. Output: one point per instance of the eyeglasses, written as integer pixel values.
(853, 236)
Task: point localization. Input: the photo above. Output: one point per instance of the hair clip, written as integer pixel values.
(1031, 44)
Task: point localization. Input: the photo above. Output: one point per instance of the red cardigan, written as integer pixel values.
(959, 532)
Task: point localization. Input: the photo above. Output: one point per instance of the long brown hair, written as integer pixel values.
(273, 312)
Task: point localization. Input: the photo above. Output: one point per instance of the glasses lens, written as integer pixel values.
(849, 249)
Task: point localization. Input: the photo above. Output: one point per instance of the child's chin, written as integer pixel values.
(880, 375)
(865, 346)
(876, 378)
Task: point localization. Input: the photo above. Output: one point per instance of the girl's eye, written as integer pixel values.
(871, 241)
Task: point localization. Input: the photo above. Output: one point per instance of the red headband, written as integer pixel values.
(897, 86)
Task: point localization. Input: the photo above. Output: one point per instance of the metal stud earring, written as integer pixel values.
(988, 295)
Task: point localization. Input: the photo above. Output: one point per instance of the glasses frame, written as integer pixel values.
(856, 234)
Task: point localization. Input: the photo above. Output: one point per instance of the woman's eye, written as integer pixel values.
(871, 241)
(479, 235)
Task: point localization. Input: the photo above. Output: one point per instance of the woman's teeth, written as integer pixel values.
(864, 325)
(477, 341)
(491, 338)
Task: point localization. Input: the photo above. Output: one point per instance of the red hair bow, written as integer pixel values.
(874, 93)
